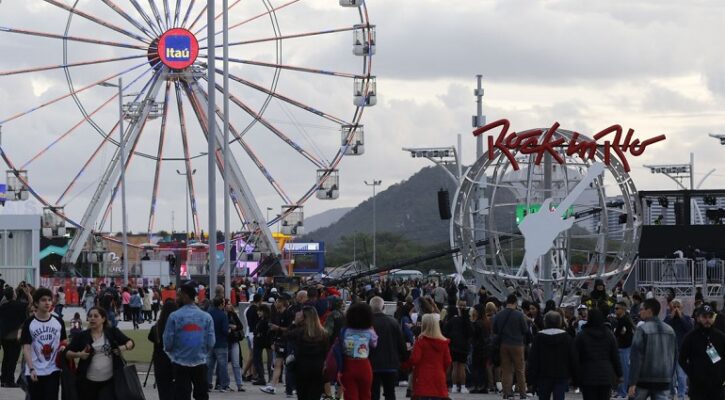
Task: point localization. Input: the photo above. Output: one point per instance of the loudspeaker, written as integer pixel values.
(444, 204)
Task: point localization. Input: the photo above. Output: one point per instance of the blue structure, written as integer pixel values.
(309, 258)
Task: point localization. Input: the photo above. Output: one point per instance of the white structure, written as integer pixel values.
(20, 249)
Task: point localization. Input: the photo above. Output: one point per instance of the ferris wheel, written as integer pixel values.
(291, 63)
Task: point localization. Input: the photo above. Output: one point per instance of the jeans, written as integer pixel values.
(624, 360)
(680, 382)
(185, 377)
(643, 394)
(59, 310)
(219, 358)
(548, 387)
(235, 355)
(388, 380)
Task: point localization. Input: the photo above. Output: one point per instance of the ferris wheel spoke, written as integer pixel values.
(128, 18)
(159, 157)
(177, 11)
(246, 21)
(157, 14)
(201, 117)
(277, 132)
(97, 20)
(287, 100)
(188, 13)
(57, 99)
(290, 67)
(167, 14)
(267, 175)
(284, 37)
(187, 159)
(72, 38)
(58, 66)
(198, 17)
(145, 16)
(105, 140)
(218, 16)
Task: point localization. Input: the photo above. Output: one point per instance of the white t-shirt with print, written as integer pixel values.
(101, 368)
(44, 338)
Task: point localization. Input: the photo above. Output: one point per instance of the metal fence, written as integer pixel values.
(681, 275)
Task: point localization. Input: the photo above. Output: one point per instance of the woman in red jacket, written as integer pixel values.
(430, 360)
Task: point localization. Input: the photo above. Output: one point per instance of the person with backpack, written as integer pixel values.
(356, 340)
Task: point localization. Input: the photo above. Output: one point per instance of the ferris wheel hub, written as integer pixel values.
(176, 48)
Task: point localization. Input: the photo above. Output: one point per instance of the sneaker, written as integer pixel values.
(227, 390)
(499, 386)
(456, 389)
(463, 390)
(403, 383)
(268, 389)
(240, 388)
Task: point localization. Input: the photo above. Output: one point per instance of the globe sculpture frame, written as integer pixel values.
(488, 244)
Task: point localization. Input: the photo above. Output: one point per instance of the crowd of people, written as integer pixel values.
(326, 342)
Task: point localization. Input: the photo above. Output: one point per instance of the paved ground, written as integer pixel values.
(253, 393)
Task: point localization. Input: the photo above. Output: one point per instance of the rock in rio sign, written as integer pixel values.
(528, 143)
(178, 48)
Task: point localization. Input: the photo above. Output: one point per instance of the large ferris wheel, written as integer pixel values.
(291, 64)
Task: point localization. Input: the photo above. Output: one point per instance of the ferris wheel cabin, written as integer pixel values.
(351, 3)
(16, 190)
(363, 40)
(365, 93)
(328, 184)
(293, 221)
(52, 222)
(355, 145)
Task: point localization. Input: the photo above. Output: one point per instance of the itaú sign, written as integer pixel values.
(178, 48)
(540, 142)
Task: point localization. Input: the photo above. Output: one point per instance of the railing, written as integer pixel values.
(681, 275)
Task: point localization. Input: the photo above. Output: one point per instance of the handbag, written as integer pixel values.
(126, 384)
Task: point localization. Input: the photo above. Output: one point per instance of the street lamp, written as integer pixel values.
(187, 199)
(374, 184)
(122, 150)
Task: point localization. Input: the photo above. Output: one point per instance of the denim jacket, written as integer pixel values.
(654, 353)
(189, 336)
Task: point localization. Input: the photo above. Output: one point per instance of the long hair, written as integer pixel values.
(168, 307)
(311, 324)
(431, 326)
(104, 314)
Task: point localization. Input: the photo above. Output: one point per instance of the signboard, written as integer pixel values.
(527, 142)
(178, 48)
(302, 247)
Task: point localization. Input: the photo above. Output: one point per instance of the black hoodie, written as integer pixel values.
(597, 353)
(552, 356)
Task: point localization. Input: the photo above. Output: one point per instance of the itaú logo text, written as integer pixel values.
(178, 48)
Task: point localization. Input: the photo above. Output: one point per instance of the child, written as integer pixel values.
(76, 325)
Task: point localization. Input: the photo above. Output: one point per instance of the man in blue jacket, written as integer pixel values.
(188, 339)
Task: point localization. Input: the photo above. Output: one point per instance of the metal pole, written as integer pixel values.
(211, 128)
(548, 193)
(122, 149)
(187, 208)
(692, 171)
(227, 229)
(480, 119)
(374, 184)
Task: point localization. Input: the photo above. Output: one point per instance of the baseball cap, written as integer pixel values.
(705, 310)
(581, 307)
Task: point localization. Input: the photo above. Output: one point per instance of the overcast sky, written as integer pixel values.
(656, 66)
